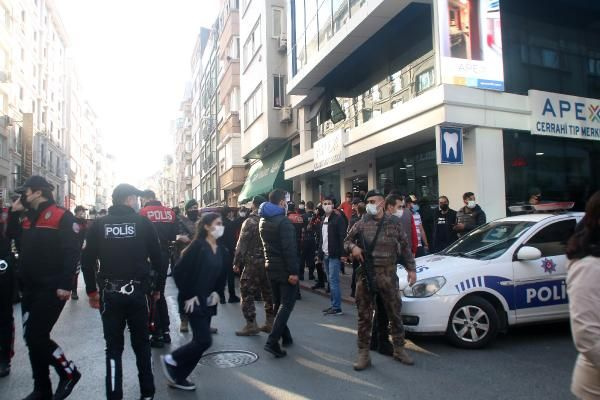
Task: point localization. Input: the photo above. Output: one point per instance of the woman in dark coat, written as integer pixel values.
(198, 275)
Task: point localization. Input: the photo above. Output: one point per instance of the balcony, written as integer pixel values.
(230, 28)
(230, 125)
(339, 37)
(229, 78)
(233, 178)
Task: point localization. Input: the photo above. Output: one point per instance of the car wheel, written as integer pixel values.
(473, 323)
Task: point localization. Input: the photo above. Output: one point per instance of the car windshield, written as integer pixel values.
(488, 241)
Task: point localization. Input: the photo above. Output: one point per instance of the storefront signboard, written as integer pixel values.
(450, 145)
(329, 150)
(470, 41)
(559, 115)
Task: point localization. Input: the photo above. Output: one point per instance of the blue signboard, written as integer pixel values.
(451, 145)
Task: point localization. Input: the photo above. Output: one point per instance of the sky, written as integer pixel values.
(133, 61)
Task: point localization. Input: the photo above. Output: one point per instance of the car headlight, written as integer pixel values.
(425, 287)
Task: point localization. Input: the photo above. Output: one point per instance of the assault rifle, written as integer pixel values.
(367, 269)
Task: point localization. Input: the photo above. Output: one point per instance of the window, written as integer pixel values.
(3, 146)
(252, 44)
(234, 100)
(425, 80)
(278, 90)
(234, 48)
(18, 139)
(396, 82)
(552, 240)
(253, 106)
(43, 155)
(277, 22)
(16, 176)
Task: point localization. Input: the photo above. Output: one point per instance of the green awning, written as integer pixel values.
(266, 175)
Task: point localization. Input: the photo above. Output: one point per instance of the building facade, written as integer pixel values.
(269, 125)
(454, 108)
(44, 122)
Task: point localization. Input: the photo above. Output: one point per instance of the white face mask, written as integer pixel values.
(218, 231)
(372, 209)
(471, 203)
(399, 213)
(328, 208)
(243, 214)
(301, 207)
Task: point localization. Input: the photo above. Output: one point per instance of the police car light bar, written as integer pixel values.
(544, 207)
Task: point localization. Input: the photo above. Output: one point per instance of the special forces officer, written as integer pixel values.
(48, 261)
(123, 241)
(249, 255)
(164, 221)
(377, 241)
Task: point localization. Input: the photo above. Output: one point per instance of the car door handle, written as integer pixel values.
(507, 283)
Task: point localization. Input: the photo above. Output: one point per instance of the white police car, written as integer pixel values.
(507, 272)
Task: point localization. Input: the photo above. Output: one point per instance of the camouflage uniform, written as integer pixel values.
(254, 282)
(391, 243)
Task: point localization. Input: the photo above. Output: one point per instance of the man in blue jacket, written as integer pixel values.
(281, 261)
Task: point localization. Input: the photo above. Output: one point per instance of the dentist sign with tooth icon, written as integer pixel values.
(450, 145)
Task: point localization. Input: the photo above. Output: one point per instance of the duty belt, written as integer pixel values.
(120, 286)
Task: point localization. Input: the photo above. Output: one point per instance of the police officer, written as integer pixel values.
(7, 326)
(123, 241)
(249, 255)
(82, 222)
(377, 241)
(48, 261)
(164, 221)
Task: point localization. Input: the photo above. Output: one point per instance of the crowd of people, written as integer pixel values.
(126, 255)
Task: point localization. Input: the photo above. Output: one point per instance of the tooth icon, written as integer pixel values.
(451, 140)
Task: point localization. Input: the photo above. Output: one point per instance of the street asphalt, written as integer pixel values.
(527, 363)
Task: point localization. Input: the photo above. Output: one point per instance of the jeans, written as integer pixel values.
(188, 356)
(284, 299)
(118, 311)
(333, 273)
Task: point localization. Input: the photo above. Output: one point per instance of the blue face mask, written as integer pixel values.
(416, 208)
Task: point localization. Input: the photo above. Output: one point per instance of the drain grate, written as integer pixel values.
(228, 358)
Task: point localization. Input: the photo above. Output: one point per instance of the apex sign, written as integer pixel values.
(554, 114)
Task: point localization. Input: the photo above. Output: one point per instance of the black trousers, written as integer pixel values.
(321, 275)
(284, 299)
(160, 312)
(7, 322)
(41, 309)
(187, 356)
(117, 311)
(230, 281)
(308, 259)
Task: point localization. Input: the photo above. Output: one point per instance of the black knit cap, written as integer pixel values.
(373, 193)
(35, 182)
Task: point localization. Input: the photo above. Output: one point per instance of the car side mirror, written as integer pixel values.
(528, 253)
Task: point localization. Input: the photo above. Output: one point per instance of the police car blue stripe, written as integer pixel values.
(462, 286)
(457, 288)
(468, 283)
(474, 283)
(480, 280)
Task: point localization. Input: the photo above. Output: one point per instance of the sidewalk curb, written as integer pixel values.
(306, 285)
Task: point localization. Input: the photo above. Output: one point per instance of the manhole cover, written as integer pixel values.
(228, 358)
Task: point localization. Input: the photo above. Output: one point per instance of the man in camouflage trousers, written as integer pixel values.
(249, 254)
(390, 243)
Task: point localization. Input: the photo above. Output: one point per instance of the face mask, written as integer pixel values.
(328, 209)
(192, 215)
(399, 213)
(243, 214)
(444, 207)
(416, 208)
(372, 209)
(301, 207)
(218, 231)
(471, 204)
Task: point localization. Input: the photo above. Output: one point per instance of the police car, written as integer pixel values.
(507, 272)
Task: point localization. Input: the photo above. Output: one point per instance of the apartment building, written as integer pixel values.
(269, 125)
(46, 127)
(182, 132)
(231, 165)
(444, 97)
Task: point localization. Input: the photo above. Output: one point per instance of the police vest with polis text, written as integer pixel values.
(164, 221)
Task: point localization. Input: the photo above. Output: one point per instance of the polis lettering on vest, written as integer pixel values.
(160, 216)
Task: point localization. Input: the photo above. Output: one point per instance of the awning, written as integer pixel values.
(266, 175)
